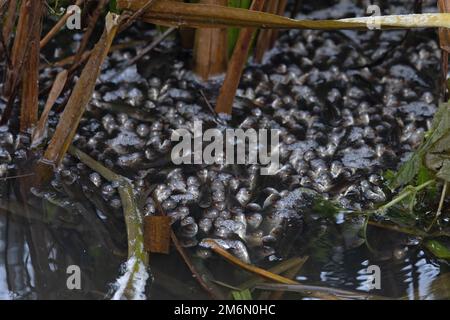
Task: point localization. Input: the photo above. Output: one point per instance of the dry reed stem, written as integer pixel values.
(58, 26)
(264, 38)
(8, 24)
(39, 132)
(253, 269)
(236, 66)
(81, 95)
(210, 48)
(30, 81)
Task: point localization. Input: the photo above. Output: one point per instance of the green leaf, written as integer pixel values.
(423, 175)
(113, 6)
(389, 176)
(444, 173)
(438, 249)
(242, 295)
(433, 143)
(407, 171)
(438, 153)
(325, 208)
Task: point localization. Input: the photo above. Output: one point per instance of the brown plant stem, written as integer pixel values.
(21, 49)
(200, 273)
(210, 47)
(236, 66)
(81, 95)
(136, 16)
(291, 273)
(58, 85)
(8, 23)
(277, 269)
(30, 82)
(264, 38)
(212, 290)
(253, 269)
(87, 34)
(57, 27)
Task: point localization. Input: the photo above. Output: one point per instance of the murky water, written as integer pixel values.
(350, 109)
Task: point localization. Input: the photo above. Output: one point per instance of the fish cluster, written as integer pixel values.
(346, 109)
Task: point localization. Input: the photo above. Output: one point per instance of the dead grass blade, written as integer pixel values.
(40, 132)
(171, 13)
(28, 17)
(253, 269)
(81, 95)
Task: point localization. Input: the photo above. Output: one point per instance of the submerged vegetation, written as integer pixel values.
(54, 172)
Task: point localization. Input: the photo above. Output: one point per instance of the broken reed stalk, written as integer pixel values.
(80, 97)
(20, 43)
(210, 48)
(58, 26)
(236, 66)
(18, 57)
(30, 81)
(40, 132)
(132, 215)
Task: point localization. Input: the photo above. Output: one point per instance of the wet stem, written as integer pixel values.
(405, 194)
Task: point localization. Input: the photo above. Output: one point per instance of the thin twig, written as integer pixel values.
(210, 288)
(136, 15)
(151, 46)
(441, 205)
(201, 279)
(17, 176)
(53, 31)
(278, 269)
(291, 274)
